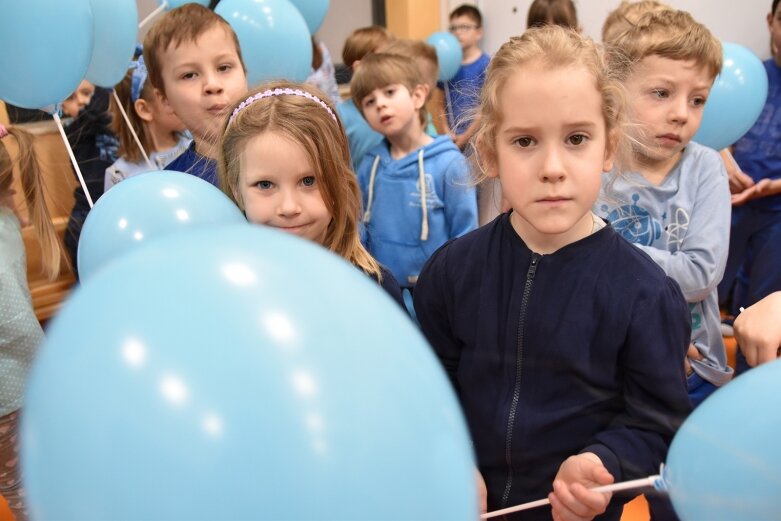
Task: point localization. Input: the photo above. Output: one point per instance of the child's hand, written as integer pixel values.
(571, 500)
(758, 330)
(761, 189)
(738, 180)
(482, 492)
(692, 354)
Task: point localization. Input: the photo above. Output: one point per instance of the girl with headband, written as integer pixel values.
(284, 160)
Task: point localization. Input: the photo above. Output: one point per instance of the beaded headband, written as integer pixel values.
(3, 131)
(279, 92)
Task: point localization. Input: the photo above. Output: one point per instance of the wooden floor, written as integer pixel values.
(636, 510)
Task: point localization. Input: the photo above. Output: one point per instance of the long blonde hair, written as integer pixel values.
(322, 137)
(32, 185)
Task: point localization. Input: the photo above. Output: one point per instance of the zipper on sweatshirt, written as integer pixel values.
(518, 370)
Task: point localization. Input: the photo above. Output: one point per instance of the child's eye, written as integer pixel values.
(368, 102)
(225, 67)
(524, 142)
(577, 139)
(188, 75)
(308, 180)
(389, 92)
(698, 101)
(264, 185)
(661, 93)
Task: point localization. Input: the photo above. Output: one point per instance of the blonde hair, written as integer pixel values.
(669, 33)
(128, 148)
(364, 41)
(181, 25)
(322, 137)
(379, 70)
(556, 12)
(550, 47)
(32, 185)
(626, 15)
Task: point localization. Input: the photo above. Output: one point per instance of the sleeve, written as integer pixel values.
(655, 395)
(460, 199)
(431, 303)
(113, 176)
(698, 265)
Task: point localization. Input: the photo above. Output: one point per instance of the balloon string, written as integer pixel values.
(132, 130)
(73, 159)
(624, 485)
(451, 118)
(153, 14)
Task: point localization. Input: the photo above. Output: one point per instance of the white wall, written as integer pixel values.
(741, 21)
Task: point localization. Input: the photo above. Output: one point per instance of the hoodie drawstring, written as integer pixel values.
(367, 215)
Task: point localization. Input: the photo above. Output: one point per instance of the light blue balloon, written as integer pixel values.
(313, 11)
(274, 39)
(47, 49)
(736, 99)
(724, 463)
(241, 373)
(173, 4)
(146, 208)
(449, 54)
(115, 25)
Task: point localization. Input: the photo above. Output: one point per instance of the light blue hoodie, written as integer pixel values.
(404, 225)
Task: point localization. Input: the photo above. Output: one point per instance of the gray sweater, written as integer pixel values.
(683, 224)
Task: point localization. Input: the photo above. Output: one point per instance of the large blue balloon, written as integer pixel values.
(241, 373)
(725, 461)
(114, 39)
(274, 39)
(736, 99)
(145, 208)
(313, 11)
(46, 51)
(449, 54)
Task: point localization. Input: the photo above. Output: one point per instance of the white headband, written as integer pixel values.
(279, 92)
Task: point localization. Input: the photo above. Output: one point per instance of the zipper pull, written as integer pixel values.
(533, 266)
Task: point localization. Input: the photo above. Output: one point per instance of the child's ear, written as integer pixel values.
(611, 148)
(143, 109)
(419, 95)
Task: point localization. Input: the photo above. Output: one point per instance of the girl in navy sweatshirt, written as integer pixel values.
(563, 341)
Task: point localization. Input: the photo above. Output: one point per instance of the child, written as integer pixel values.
(284, 161)
(674, 204)
(556, 333)
(20, 332)
(359, 134)
(556, 12)
(79, 99)
(758, 331)
(415, 188)
(425, 57)
(752, 270)
(157, 127)
(462, 91)
(194, 63)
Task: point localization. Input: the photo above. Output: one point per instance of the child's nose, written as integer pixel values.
(288, 205)
(679, 111)
(213, 84)
(552, 166)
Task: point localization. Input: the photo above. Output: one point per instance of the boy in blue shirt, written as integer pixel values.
(462, 91)
(416, 189)
(194, 62)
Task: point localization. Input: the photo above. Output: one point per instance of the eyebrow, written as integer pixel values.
(587, 125)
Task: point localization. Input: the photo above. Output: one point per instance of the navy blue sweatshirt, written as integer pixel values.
(552, 355)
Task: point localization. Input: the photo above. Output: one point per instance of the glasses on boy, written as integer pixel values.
(462, 27)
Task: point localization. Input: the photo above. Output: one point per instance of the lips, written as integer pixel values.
(385, 119)
(669, 138)
(217, 109)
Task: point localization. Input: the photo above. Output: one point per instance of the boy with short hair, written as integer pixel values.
(416, 190)
(462, 91)
(194, 62)
(674, 203)
(360, 136)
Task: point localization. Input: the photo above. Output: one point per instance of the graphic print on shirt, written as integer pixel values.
(432, 199)
(634, 223)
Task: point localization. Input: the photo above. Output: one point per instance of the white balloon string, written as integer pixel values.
(73, 158)
(132, 130)
(152, 15)
(624, 485)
